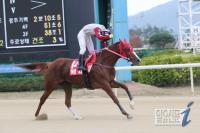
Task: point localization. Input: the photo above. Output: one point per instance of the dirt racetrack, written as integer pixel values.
(100, 115)
(99, 112)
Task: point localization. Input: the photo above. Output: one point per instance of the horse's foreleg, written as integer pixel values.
(68, 95)
(109, 91)
(116, 84)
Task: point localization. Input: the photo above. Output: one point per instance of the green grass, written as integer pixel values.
(21, 82)
(168, 77)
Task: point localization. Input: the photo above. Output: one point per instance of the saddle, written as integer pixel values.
(89, 61)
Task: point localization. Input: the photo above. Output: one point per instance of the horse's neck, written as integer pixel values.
(108, 58)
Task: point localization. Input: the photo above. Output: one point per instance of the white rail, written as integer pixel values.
(13, 68)
(166, 66)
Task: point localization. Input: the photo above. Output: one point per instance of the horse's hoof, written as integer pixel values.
(78, 117)
(129, 117)
(132, 104)
(42, 117)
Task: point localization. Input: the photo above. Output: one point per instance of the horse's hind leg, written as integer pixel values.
(107, 88)
(49, 87)
(115, 84)
(68, 95)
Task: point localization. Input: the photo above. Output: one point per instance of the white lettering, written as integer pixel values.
(13, 9)
(12, 2)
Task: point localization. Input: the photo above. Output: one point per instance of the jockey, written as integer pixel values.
(85, 40)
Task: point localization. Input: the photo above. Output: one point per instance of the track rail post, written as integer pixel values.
(192, 80)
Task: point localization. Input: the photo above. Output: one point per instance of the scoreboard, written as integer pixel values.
(32, 23)
(42, 30)
(2, 38)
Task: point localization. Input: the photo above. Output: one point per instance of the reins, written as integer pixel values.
(107, 49)
(111, 51)
(105, 66)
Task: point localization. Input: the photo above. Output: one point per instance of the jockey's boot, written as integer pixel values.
(81, 63)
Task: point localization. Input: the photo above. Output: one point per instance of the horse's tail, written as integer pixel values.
(35, 67)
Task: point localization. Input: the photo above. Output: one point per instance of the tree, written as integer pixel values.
(147, 31)
(161, 39)
(135, 40)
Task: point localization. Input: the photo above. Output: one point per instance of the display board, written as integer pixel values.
(32, 23)
(2, 38)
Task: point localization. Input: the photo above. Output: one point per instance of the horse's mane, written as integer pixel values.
(110, 46)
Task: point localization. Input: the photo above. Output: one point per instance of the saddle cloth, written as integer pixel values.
(88, 63)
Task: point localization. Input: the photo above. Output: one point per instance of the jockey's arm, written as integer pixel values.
(100, 36)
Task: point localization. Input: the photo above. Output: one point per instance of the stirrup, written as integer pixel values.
(82, 68)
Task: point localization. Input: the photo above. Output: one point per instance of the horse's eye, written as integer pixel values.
(127, 49)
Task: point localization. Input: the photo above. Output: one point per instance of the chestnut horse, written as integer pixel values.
(102, 75)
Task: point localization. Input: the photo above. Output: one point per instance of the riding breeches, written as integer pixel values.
(85, 42)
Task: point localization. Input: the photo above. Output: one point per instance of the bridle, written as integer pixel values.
(120, 54)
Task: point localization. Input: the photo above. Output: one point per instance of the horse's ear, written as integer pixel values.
(124, 39)
(120, 41)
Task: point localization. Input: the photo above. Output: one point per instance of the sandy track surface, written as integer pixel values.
(136, 89)
(100, 115)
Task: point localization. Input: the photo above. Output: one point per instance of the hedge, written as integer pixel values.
(18, 82)
(21, 82)
(168, 77)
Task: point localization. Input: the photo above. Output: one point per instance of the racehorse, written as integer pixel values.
(102, 75)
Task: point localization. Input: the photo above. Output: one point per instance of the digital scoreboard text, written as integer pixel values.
(31, 23)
